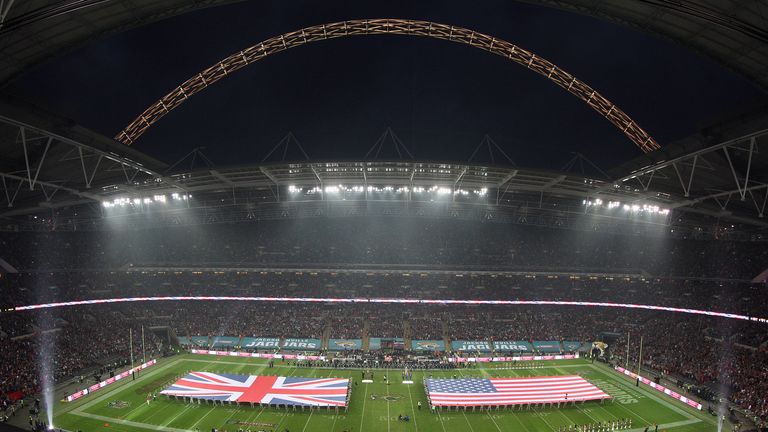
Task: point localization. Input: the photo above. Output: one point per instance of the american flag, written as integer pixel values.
(273, 390)
(511, 391)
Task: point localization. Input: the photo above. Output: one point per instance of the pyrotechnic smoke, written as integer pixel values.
(47, 351)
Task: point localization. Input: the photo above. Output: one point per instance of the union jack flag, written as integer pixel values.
(322, 392)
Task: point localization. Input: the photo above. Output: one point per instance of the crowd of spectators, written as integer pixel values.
(700, 349)
(366, 258)
(387, 241)
(423, 327)
(81, 341)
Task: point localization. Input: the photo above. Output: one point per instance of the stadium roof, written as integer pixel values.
(50, 164)
(52, 167)
(731, 32)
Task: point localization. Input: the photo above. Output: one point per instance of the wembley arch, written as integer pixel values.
(500, 47)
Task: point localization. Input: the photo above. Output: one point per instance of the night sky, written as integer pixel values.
(439, 97)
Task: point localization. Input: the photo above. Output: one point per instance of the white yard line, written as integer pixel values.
(577, 405)
(333, 426)
(308, 419)
(407, 386)
(365, 398)
(442, 423)
(465, 414)
(108, 393)
(485, 372)
(201, 418)
(176, 416)
(648, 392)
(386, 374)
(494, 421)
(468, 423)
(692, 418)
(129, 423)
(439, 416)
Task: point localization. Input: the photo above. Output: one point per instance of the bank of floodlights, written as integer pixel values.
(138, 201)
(628, 208)
(386, 189)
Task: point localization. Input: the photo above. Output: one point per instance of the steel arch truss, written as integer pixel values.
(729, 177)
(42, 169)
(388, 26)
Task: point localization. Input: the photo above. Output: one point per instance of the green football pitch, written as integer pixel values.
(373, 407)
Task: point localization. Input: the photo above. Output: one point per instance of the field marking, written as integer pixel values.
(691, 418)
(580, 409)
(632, 412)
(336, 416)
(61, 409)
(442, 423)
(308, 419)
(235, 411)
(245, 359)
(333, 426)
(468, 423)
(494, 421)
(201, 418)
(666, 426)
(386, 378)
(437, 410)
(365, 398)
(129, 423)
(485, 372)
(650, 395)
(461, 374)
(109, 394)
(152, 414)
(602, 371)
(312, 411)
(621, 378)
(176, 416)
(214, 407)
(415, 424)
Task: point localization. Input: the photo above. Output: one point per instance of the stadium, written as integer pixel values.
(388, 216)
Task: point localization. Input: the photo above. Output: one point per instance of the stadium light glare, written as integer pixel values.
(137, 201)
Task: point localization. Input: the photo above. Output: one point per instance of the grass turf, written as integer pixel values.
(94, 413)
